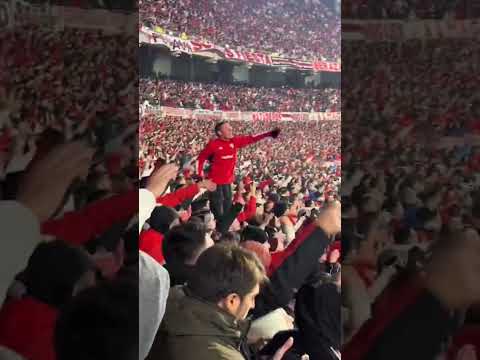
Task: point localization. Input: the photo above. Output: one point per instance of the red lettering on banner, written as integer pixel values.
(326, 66)
(250, 57)
(266, 116)
(229, 54)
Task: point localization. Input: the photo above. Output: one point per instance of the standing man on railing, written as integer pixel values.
(222, 155)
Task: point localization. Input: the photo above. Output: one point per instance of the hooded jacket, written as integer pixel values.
(154, 284)
(318, 318)
(195, 329)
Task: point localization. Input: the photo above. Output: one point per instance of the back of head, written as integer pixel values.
(260, 250)
(280, 208)
(254, 233)
(161, 219)
(184, 243)
(53, 270)
(226, 269)
(100, 323)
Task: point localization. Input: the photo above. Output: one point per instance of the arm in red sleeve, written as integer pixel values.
(280, 256)
(250, 210)
(179, 196)
(203, 156)
(81, 226)
(242, 141)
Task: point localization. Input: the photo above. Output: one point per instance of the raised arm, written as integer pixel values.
(242, 141)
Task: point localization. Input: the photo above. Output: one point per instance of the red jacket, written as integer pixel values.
(151, 243)
(393, 301)
(222, 155)
(81, 226)
(27, 327)
(249, 211)
(179, 196)
(279, 257)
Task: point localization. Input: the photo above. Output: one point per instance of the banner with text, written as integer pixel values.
(246, 116)
(175, 44)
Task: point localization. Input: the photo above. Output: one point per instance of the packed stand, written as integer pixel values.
(406, 9)
(306, 149)
(305, 29)
(213, 96)
(284, 192)
(68, 161)
(410, 200)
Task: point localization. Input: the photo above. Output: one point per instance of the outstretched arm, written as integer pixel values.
(242, 141)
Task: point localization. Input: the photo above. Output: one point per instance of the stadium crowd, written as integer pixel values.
(71, 273)
(306, 29)
(68, 160)
(410, 200)
(212, 96)
(310, 146)
(283, 189)
(406, 9)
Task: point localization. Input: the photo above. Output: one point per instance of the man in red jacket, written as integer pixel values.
(222, 155)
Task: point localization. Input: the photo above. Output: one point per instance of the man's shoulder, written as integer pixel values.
(213, 142)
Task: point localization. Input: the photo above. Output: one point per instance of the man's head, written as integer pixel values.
(163, 218)
(100, 323)
(224, 130)
(230, 277)
(47, 284)
(184, 243)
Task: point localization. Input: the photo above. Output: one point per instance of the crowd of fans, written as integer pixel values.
(405, 9)
(304, 151)
(305, 29)
(72, 275)
(211, 96)
(410, 197)
(68, 173)
(281, 189)
(54, 80)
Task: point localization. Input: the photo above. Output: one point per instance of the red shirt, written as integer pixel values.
(27, 327)
(151, 243)
(222, 155)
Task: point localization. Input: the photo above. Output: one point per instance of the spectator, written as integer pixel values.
(219, 297)
(302, 30)
(216, 96)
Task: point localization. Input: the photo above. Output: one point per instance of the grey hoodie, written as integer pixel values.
(7, 354)
(20, 235)
(154, 285)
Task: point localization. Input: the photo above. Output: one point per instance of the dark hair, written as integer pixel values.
(161, 218)
(100, 323)
(254, 233)
(280, 208)
(402, 235)
(226, 269)
(218, 126)
(476, 206)
(183, 242)
(53, 270)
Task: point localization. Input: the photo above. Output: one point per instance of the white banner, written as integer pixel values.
(245, 116)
